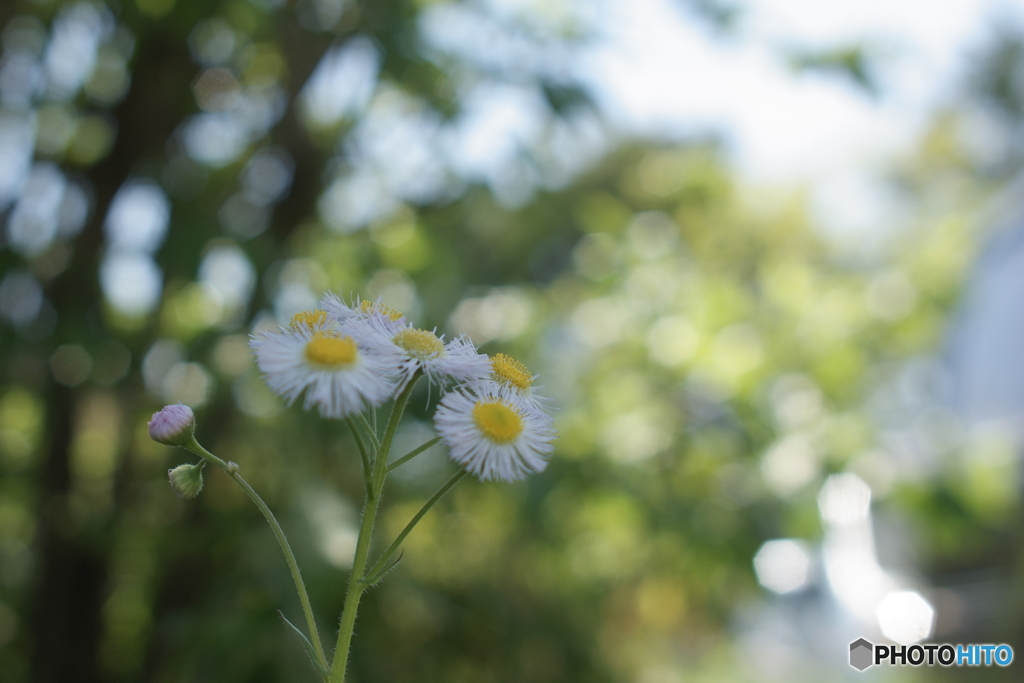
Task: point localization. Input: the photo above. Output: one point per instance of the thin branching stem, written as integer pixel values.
(367, 470)
(293, 566)
(371, 431)
(412, 523)
(413, 453)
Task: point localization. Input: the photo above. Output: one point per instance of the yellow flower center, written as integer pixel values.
(497, 421)
(368, 307)
(331, 351)
(308, 319)
(419, 343)
(510, 371)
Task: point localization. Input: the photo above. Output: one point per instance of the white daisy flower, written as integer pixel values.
(384, 317)
(339, 375)
(494, 436)
(423, 350)
(513, 380)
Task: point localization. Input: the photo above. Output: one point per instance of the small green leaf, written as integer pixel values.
(309, 646)
(375, 579)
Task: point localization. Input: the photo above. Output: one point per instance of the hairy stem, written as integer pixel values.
(355, 583)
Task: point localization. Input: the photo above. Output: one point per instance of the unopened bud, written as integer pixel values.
(173, 425)
(186, 480)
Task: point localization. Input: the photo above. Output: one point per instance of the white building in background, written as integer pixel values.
(960, 412)
(986, 345)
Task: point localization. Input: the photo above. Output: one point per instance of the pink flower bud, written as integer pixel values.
(173, 425)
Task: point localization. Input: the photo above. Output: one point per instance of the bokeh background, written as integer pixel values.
(765, 255)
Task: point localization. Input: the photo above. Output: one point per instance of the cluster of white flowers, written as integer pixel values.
(349, 358)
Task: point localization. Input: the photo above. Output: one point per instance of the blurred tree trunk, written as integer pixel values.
(66, 624)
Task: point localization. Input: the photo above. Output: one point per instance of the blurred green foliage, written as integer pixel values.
(712, 356)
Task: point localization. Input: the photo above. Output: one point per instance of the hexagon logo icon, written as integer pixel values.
(861, 652)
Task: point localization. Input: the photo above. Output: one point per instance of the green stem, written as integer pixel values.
(362, 453)
(293, 566)
(413, 453)
(371, 430)
(355, 583)
(382, 562)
